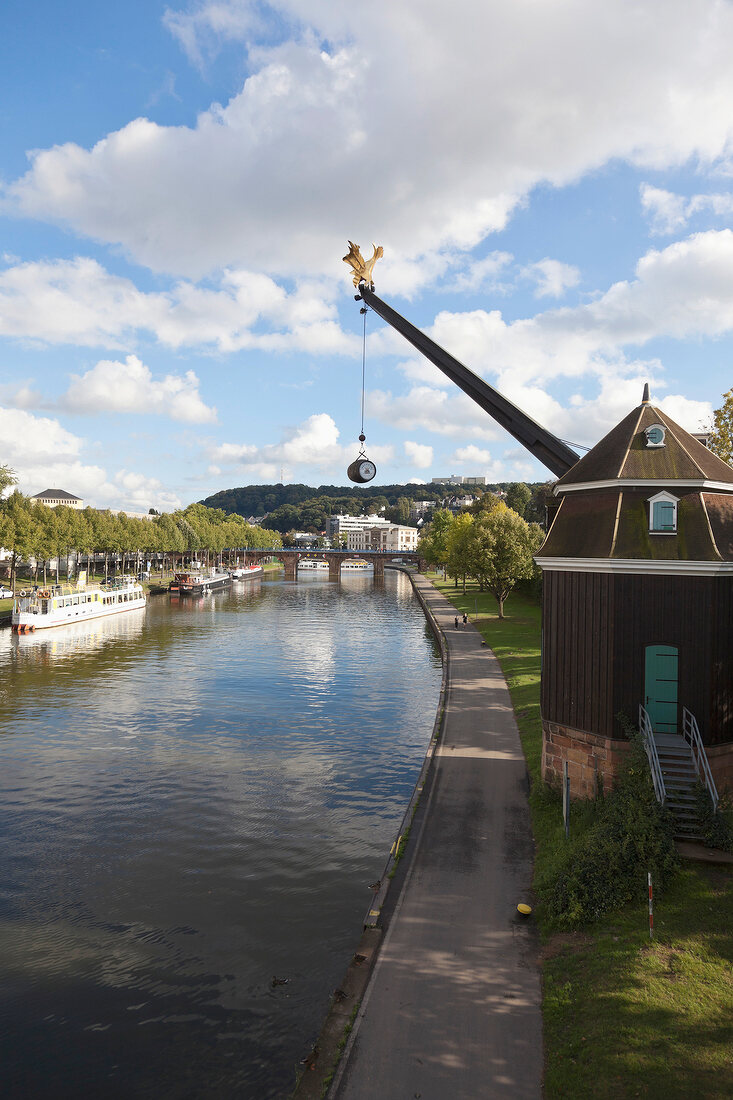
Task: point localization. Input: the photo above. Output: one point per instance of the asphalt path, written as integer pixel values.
(452, 1010)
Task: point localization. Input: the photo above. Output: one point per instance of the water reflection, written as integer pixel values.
(74, 639)
(193, 800)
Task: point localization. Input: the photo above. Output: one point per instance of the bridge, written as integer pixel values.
(335, 559)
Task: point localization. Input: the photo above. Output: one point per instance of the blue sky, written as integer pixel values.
(550, 181)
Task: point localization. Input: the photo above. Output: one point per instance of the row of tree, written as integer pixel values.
(33, 532)
(492, 544)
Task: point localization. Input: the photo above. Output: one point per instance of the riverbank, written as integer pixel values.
(452, 944)
(623, 1016)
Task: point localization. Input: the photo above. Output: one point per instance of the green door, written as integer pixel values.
(661, 687)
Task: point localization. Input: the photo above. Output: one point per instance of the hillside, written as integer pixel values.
(258, 500)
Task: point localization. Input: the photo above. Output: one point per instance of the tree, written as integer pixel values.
(536, 510)
(504, 547)
(720, 440)
(18, 534)
(518, 496)
(7, 478)
(460, 541)
(433, 544)
(400, 513)
(486, 503)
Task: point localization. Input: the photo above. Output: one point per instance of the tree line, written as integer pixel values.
(489, 542)
(259, 500)
(292, 508)
(32, 531)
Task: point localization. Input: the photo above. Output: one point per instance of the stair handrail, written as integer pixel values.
(691, 734)
(647, 736)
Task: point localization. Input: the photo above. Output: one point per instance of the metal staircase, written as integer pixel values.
(678, 763)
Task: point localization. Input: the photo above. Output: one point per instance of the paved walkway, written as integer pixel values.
(452, 1011)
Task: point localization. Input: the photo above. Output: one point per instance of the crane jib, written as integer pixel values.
(543, 445)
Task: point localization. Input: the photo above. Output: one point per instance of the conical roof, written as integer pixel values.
(624, 454)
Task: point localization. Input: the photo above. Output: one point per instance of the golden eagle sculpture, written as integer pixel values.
(362, 268)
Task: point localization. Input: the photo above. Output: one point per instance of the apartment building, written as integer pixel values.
(342, 525)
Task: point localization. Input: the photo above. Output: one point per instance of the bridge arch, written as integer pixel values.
(335, 558)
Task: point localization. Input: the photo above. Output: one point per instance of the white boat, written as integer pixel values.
(39, 607)
(312, 563)
(80, 638)
(243, 572)
(356, 565)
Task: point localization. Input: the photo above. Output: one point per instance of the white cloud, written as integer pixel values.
(140, 493)
(419, 454)
(312, 445)
(201, 29)
(129, 387)
(27, 438)
(322, 143)
(552, 277)
(79, 302)
(432, 410)
(669, 213)
(684, 291)
(483, 274)
(665, 210)
(45, 455)
(478, 462)
(23, 398)
(472, 455)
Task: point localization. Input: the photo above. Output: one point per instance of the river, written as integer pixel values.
(194, 799)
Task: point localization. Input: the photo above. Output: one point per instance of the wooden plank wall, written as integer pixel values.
(596, 628)
(577, 646)
(721, 671)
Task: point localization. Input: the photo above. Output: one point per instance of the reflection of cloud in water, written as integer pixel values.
(314, 650)
(196, 808)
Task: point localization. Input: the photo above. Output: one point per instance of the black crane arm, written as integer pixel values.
(546, 447)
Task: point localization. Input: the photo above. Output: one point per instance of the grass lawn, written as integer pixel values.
(623, 1016)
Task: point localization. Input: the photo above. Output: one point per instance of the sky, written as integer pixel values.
(551, 181)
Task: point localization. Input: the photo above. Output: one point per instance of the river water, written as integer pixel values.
(194, 799)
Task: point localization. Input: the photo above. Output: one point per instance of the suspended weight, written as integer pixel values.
(361, 470)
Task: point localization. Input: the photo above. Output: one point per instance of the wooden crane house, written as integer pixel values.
(637, 604)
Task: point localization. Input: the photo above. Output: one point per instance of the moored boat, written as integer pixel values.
(198, 583)
(357, 565)
(244, 572)
(312, 563)
(39, 608)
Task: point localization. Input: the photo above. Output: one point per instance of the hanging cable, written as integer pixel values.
(362, 469)
(364, 312)
(578, 446)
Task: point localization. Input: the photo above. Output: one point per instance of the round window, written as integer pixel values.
(654, 436)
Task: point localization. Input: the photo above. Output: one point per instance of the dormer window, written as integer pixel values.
(655, 435)
(663, 514)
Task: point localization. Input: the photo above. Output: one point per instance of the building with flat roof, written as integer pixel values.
(457, 479)
(342, 525)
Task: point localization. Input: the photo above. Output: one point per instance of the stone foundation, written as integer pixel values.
(592, 760)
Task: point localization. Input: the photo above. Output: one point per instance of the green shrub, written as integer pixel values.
(716, 825)
(605, 867)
